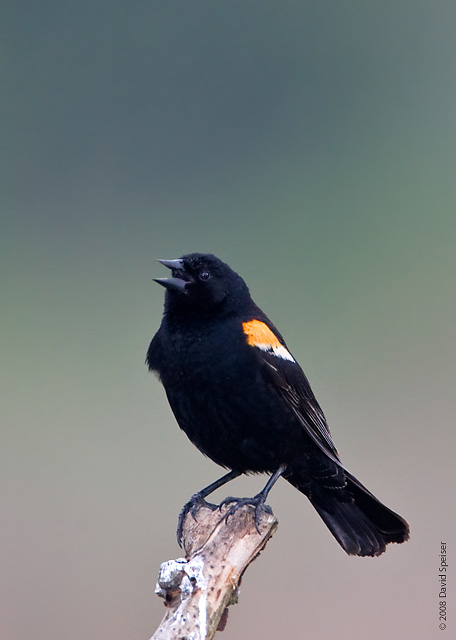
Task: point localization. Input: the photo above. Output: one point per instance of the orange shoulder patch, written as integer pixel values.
(258, 332)
(260, 335)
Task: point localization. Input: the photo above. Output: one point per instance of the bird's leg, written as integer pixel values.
(257, 501)
(198, 500)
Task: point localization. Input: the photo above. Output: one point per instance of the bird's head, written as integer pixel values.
(201, 281)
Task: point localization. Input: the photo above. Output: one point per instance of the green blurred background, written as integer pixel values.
(312, 145)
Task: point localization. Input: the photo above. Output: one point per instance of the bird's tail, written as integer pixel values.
(361, 524)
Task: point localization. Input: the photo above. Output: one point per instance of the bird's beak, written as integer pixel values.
(174, 283)
(175, 265)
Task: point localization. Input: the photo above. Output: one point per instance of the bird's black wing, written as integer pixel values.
(282, 371)
(293, 386)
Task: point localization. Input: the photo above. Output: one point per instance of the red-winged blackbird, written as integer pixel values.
(244, 401)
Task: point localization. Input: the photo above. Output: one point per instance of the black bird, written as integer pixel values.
(244, 401)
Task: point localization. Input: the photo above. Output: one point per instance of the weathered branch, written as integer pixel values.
(199, 588)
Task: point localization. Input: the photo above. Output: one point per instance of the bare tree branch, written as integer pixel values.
(199, 588)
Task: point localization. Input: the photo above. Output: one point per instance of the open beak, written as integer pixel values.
(175, 283)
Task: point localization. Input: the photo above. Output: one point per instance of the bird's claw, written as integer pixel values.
(192, 506)
(257, 502)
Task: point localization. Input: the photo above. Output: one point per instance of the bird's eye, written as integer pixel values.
(204, 275)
